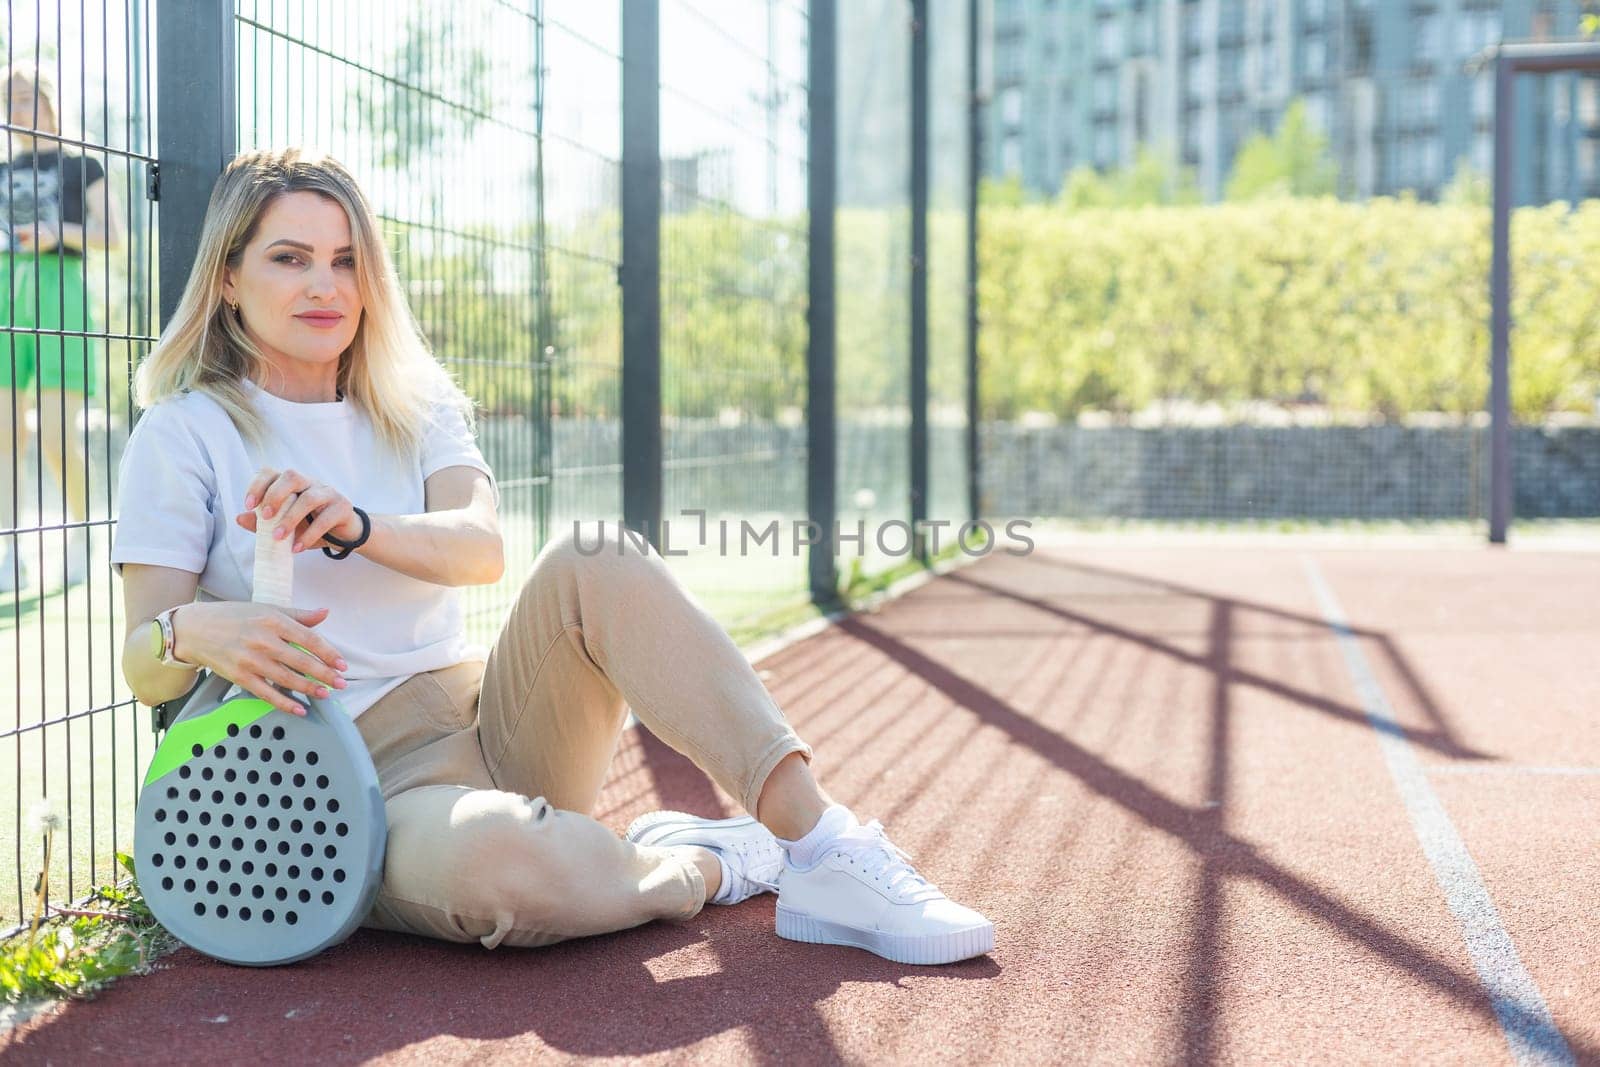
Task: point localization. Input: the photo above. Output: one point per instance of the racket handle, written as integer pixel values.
(274, 567)
(274, 584)
(274, 579)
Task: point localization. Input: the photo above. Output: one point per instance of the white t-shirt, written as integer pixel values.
(183, 479)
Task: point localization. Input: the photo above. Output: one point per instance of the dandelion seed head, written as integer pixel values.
(45, 818)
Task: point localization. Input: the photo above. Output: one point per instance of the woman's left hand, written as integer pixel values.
(309, 508)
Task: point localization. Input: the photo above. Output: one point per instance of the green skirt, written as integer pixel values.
(45, 293)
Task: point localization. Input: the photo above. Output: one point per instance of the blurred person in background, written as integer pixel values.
(54, 204)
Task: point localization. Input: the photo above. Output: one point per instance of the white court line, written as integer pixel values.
(1524, 1016)
(1511, 768)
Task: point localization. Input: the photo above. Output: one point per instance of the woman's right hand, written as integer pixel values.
(253, 645)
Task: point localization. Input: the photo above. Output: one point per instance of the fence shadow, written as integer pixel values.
(1223, 855)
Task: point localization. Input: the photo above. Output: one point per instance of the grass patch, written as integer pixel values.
(756, 628)
(859, 585)
(73, 953)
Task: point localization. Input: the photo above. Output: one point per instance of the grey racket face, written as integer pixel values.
(259, 837)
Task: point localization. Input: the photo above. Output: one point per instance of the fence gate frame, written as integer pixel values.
(1555, 57)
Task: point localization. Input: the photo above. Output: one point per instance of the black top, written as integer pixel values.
(44, 187)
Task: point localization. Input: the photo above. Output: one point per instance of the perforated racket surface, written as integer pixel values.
(259, 835)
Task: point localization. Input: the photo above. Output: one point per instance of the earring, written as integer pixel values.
(235, 306)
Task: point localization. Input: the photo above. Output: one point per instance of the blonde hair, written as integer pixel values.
(44, 90)
(388, 370)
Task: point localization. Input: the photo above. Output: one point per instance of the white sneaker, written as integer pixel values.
(751, 856)
(861, 891)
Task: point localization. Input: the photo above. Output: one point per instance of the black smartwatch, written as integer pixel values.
(347, 547)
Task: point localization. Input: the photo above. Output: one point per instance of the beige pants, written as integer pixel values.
(489, 771)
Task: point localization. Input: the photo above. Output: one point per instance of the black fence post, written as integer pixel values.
(822, 149)
(1500, 310)
(919, 276)
(195, 103)
(974, 174)
(641, 267)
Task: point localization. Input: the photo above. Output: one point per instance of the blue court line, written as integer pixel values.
(1524, 1017)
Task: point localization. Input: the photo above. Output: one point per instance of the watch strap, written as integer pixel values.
(169, 639)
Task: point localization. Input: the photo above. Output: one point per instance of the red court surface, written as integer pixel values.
(1159, 770)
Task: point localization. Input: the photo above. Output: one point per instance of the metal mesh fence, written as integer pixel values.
(438, 116)
(582, 191)
(873, 281)
(75, 225)
(733, 285)
(488, 139)
(1253, 472)
(950, 141)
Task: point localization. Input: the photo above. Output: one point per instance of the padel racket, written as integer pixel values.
(259, 835)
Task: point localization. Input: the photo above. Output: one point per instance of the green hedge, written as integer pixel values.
(1372, 308)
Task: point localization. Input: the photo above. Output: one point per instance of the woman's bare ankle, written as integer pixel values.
(791, 802)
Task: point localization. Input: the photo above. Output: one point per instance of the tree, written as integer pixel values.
(1294, 161)
(411, 123)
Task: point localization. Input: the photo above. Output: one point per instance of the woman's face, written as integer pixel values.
(27, 109)
(296, 284)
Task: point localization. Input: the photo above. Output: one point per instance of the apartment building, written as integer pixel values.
(1074, 82)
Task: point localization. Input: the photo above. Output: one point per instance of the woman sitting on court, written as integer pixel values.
(293, 379)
